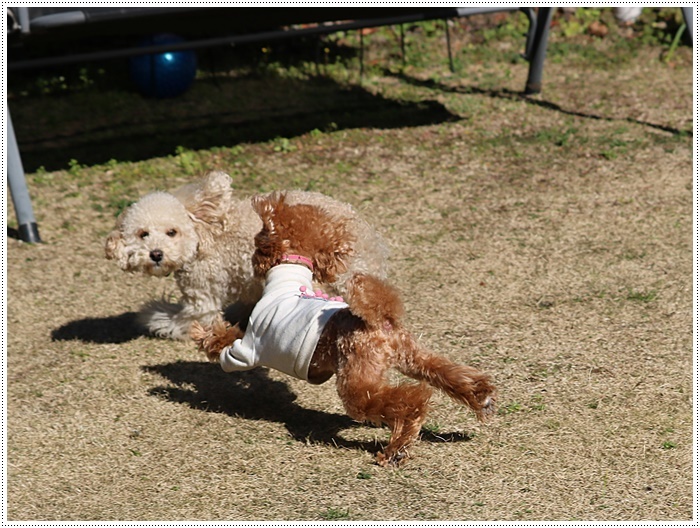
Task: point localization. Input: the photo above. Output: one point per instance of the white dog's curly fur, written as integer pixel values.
(205, 236)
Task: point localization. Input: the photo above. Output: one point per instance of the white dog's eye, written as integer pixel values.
(171, 233)
(142, 234)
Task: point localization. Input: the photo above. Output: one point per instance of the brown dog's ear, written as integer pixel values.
(269, 246)
(267, 207)
(329, 265)
(330, 261)
(267, 253)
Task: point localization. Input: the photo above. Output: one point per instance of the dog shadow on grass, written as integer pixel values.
(112, 329)
(117, 329)
(253, 395)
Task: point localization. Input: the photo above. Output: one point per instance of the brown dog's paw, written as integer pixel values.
(396, 459)
(212, 340)
(198, 333)
(202, 336)
(489, 408)
(487, 405)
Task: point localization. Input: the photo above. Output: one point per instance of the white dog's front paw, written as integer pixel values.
(160, 318)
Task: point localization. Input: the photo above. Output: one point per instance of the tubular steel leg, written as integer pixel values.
(539, 50)
(449, 46)
(403, 47)
(24, 24)
(28, 230)
(362, 55)
(688, 17)
(532, 20)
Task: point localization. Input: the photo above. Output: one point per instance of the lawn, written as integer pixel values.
(544, 239)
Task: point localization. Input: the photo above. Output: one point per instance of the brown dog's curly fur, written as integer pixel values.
(359, 344)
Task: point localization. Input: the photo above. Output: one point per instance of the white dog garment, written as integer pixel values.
(285, 325)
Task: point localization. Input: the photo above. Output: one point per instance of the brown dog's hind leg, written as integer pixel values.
(405, 411)
(368, 397)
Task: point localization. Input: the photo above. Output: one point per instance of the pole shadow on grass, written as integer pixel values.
(513, 95)
(253, 395)
(13, 233)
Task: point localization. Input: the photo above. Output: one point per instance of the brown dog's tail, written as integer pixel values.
(464, 384)
(374, 301)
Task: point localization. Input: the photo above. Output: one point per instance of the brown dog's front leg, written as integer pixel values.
(212, 340)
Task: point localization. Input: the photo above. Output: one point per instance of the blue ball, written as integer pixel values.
(163, 74)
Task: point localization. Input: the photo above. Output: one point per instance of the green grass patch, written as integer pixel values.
(335, 514)
(643, 296)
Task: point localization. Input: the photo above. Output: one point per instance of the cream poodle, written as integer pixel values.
(204, 236)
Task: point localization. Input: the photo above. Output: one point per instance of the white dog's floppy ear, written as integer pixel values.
(115, 245)
(211, 200)
(115, 248)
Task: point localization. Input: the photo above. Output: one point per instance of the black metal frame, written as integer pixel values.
(265, 30)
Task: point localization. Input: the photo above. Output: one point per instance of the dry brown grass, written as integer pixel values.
(558, 261)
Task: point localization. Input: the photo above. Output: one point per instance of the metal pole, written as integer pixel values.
(449, 46)
(24, 23)
(227, 40)
(539, 50)
(28, 230)
(362, 55)
(532, 20)
(688, 16)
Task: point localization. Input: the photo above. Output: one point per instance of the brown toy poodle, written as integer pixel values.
(308, 335)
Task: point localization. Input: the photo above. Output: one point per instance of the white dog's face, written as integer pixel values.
(155, 236)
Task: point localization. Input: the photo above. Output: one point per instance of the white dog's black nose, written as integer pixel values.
(156, 255)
